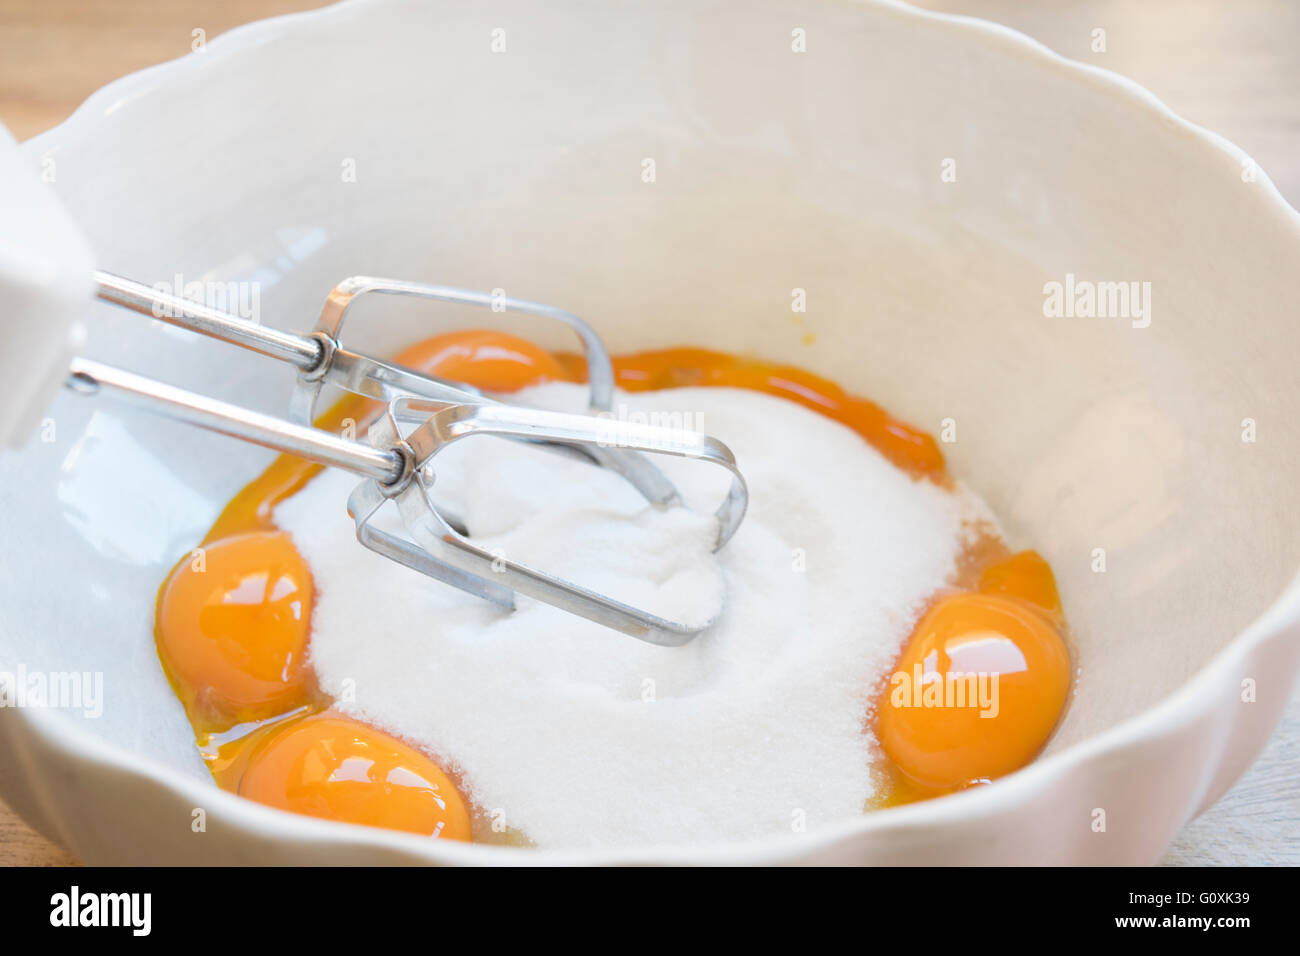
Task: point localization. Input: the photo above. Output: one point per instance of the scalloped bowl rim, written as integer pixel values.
(1160, 720)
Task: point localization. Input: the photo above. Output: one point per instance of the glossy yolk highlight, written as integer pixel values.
(982, 682)
(334, 768)
(233, 624)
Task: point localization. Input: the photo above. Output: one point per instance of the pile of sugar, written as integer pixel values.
(580, 736)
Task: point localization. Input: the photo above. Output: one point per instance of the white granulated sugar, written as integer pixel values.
(581, 736)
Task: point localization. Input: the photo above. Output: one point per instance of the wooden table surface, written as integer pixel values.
(1229, 66)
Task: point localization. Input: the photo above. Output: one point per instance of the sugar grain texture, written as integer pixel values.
(580, 736)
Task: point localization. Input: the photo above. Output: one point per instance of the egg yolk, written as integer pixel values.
(1026, 576)
(907, 447)
(334, 768)
(977, 692)
(489, 360)
(233, 625)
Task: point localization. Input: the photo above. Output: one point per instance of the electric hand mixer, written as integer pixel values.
(398, 462)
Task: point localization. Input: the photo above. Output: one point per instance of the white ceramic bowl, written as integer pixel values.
(774, 170)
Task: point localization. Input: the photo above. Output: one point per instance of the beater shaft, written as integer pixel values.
(300, 351)
(314, 444)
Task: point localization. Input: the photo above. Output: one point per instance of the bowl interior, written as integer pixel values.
(920, 184)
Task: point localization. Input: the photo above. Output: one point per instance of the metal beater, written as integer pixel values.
(398, 466)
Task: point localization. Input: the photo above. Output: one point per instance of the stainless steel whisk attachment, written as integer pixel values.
(399, 467)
